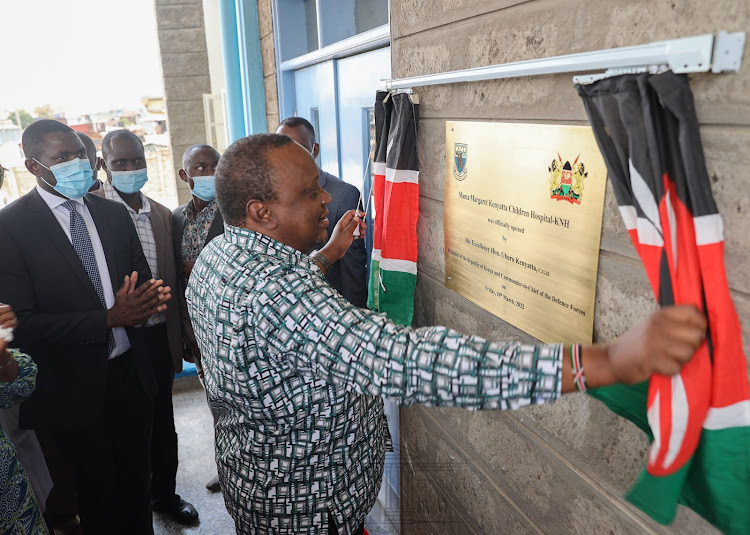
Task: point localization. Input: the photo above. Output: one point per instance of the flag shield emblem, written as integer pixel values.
(460, 157)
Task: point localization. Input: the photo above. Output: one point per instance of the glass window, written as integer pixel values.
(311, 24)
(370, 14)
(315, 121)
(369, 152)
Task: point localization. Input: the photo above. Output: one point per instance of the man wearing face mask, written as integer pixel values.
(195, 224)
(96, 162)
(64, 256)
(124, 161)
(349, 275)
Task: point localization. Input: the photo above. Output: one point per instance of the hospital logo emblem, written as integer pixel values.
(460, 157)
(566, 180)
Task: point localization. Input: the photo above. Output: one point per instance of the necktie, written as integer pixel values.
(79, 234)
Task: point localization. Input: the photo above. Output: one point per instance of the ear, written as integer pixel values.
(258, 215)
(99, 163)
(33, 167)
(316, 151)
(106, 171)
(183, 175)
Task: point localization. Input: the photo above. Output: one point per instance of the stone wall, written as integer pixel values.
(184, 63)
(265, 23)
(562, 468)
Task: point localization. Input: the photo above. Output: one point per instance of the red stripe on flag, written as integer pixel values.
(684, 268)
(399, 232)
(378, 184)
(730, 365)
(650, 256)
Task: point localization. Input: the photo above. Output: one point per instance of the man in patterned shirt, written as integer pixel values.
(288, 361)
(124, 161)
(195, 224)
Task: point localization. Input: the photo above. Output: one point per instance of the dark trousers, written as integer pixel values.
(62, 502)
(111, 457)
(163, 436)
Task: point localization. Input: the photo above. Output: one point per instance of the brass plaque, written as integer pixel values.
(523, 219)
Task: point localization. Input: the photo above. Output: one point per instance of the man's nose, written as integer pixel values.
(326, 198)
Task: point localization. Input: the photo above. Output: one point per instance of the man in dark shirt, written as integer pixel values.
(65, 254)
(349, 275)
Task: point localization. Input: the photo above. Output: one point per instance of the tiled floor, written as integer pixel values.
(197, 466)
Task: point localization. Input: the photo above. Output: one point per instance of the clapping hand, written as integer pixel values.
(134, 305)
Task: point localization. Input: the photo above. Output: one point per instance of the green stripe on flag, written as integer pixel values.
(392, 292)
(716, 486)
(372, 286)
(713, 483)
(628, 401)
(658, 496)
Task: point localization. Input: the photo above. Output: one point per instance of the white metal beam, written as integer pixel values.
(688, 54)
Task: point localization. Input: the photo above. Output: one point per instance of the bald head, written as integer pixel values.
(110, 139)
(191, 151)
(301, 131)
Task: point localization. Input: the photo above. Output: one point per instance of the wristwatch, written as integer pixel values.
(317, 255)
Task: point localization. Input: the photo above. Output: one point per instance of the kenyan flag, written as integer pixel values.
(393, 274)
(698, 421)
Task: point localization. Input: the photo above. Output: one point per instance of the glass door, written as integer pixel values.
(315, 100)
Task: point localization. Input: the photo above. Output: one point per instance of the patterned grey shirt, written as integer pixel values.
(294, 375)
(142, 222)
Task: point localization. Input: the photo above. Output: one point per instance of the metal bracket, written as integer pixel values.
(694, 54)
(728, 50)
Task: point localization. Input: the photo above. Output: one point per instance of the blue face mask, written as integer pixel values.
(129, 181)
(74, 178)
(203, 187)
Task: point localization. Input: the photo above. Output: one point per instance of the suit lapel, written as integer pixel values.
(158, 227)
(333, 208)
(323, 178)
(217, 227)
(179, 227)
(52, 231)
(107, 237)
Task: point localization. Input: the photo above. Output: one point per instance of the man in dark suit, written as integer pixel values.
(65, 254)
(124, 162)
(349, 275)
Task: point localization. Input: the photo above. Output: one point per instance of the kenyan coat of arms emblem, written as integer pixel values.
(566, 180)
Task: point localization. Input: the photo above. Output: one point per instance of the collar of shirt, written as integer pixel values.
(262, 244)
(53, 201)
(111, 193)
(190, 214)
